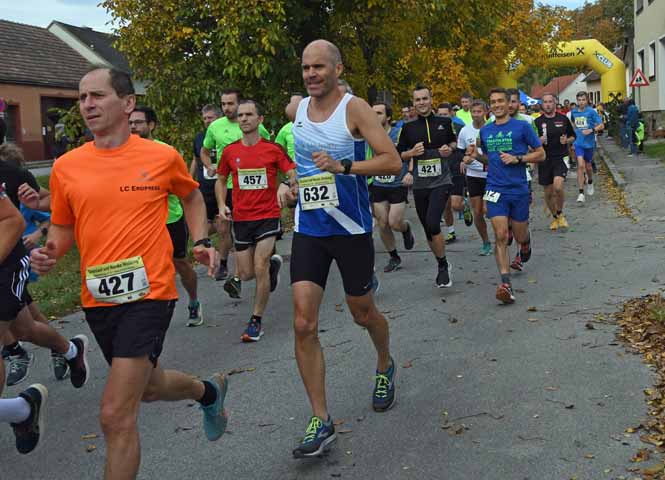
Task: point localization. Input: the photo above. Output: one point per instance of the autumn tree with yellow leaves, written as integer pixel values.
(189, 50)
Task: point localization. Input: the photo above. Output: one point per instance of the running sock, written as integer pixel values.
(71, 353)
(556, 214)
(559, 212)
(451, 229)
(393, 254)
(13, 350)
(505, 278)
(193, 302)
(581, 190)
(209, 396)
(223, 262)
(14, 410)
(256, 318)
(443, 262)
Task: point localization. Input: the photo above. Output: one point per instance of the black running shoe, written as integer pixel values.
(451, 237)
(78, 366)
(60, 366)
(29, 431)
(222, 272)
(383, 396)
(318, 436)
(468, 214)
(409, 239)
(233, 287)
(393, 264)
(443, 279)
(19, 367)
(275, 264)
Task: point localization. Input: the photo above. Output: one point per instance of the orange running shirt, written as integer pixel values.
(116, 199)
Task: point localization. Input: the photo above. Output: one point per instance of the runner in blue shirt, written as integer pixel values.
(505, 145)
(587, 123)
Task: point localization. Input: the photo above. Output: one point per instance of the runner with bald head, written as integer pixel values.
(333, 221)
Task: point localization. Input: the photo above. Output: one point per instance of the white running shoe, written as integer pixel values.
(580, 198)
(589, 189)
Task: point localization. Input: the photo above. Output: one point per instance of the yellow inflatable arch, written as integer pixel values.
(590, 53)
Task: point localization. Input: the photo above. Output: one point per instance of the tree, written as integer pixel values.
(608, 21)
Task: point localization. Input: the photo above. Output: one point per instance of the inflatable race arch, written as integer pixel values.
(590, 53)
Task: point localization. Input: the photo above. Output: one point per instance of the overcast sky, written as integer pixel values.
(87, 13)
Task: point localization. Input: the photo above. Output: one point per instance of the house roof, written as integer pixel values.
(556, 85)
(593, 76)
(34, 56)
(99, 42)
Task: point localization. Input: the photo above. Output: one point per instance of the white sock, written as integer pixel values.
(451, 229)
(71, 353)
(14, 410)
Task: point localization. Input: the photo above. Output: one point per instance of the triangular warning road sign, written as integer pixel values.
(639, 79)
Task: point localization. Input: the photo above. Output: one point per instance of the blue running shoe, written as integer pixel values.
(383, 397)
(318, 437)
(215, 417)
(253, 332)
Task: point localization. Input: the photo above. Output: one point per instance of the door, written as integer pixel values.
(50, 119)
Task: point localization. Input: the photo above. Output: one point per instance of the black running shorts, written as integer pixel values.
(458, 186)
(430, 203)
(550, 168)
(391, 195)
(179, 237)
(476, 186)
(249, 233)
(211, 205)
(131, 330)
(13, 288)
(311, 258)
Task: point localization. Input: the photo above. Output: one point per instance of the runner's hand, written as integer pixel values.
(462, 168)
(32, 240)
(445, 151)
(207, 256)
(28, 196)
(407, 180)
(508, 159)
(418, 149)
(287, 196)
(42, 260)
(587, 131)
(467, 160)
(563, 139)
(212, 171)
(225, 214)
(325, 162)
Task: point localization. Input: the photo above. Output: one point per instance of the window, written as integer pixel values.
(640, 60)
(639, 6)
(651, 67)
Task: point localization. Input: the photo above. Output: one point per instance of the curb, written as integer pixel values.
(616, 176)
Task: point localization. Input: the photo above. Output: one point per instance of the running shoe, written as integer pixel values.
(563, 223)
(195, 315)
(29, 431)
(451, 237)
(253, 332)
(409, 239)
(486, 249)
(468, 214)
(222, 272)
(504, 293)
(233, 287)
(517, 263)
(510, 235)
(318, 437)
(60, 366)
(383, 396)
(275, 265)
(19, 367)
(555, 224)
(580, 198)
(589, 189)
(393, 264)
(78, 366)
(525, 251)
(443, 279)
(215, 417)
(376, 284)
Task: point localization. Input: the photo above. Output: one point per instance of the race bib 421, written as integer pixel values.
(429, 168)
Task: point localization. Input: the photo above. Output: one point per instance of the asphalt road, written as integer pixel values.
(526, 391)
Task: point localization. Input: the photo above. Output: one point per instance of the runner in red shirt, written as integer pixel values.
(254, 164)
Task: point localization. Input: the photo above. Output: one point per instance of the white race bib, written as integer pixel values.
(123, 281)
(429, 168)
(491, 196)
(318, 191)
(385, 178)
(252, 179)
(581, 123)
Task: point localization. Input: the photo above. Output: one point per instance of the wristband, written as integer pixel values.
(44, 231)
(204, 241)
(346, 163)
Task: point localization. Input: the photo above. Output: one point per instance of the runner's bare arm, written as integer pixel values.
(11, 225)
(192, 168)
(205, 159)
(221, 191)
(62, 238)
(29, 197)
(195, 214)
(363, 120)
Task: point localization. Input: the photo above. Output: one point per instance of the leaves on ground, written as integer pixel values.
(236, 371)
(616, 195)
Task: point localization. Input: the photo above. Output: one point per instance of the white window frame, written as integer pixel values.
(651, 62)
(640, 59)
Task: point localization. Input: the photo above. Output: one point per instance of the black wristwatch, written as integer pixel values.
(204, 241)
(520, 159)
(44, 231)
(346, 163)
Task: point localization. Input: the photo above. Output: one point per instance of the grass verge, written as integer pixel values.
(656, 150)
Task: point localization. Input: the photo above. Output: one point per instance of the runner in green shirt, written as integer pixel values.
(221, 133)
(142, 122)
(285, 137)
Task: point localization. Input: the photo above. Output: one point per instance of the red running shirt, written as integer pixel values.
(254, 171)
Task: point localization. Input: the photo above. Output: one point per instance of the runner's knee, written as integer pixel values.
(115, 420)
(304, 327)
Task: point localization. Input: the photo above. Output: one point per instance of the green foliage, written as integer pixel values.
(74, 124)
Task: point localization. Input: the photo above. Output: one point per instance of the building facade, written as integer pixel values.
(649, 56)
